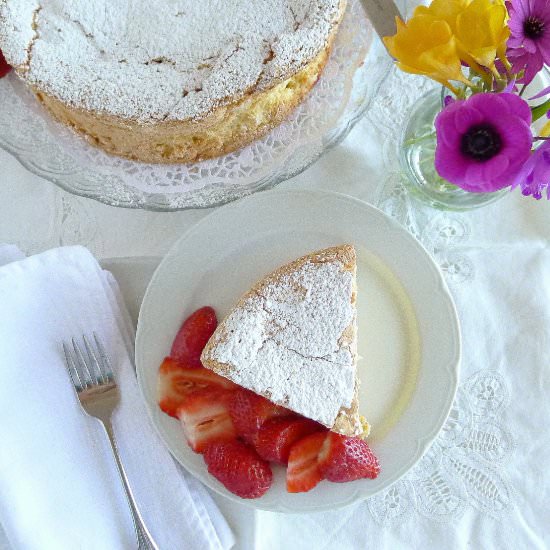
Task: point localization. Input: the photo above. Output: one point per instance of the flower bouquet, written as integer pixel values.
(485, 53)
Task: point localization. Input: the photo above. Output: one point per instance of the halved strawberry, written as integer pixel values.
(239, 468)
(4, 67)
(176, 381)
(193, 335)
(277, 435)
(303, 471)
(205, 419)
(249, 411)
(347, 458)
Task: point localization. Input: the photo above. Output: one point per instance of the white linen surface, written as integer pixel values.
(59, 487)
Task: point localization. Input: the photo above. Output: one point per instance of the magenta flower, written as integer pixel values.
(534, 177)
(483, 141)
(529, 42)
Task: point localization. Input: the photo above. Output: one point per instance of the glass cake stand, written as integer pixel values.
(357, 67)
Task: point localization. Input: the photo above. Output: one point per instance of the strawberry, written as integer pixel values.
(4, 67)
(347, 458)
(303, 471)
(193, 335)
(176, 381)
(249, 411)
(239, 468)
(204, 417)
(277, 435)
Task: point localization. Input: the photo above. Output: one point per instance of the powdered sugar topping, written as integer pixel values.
(161, 59)
(287, 342)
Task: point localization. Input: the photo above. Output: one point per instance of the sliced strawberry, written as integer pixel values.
(204, 416)
(277, 435)
(347, 458)
(239, 468)
(303, 471)
(193, 335)
(176, 381)
(4, 67)
(249, 411)
(171, 389)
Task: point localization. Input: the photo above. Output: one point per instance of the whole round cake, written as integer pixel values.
(169, 81)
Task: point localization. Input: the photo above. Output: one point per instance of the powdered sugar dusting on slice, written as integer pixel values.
(161, 60)
(287, 341)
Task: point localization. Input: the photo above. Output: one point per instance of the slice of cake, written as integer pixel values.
(293, 339)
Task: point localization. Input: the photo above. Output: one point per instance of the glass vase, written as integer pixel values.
(417, 161)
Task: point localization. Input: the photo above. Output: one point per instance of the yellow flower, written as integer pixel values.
(426, 47)
(545, 130)
(443, 10)
(481, 33)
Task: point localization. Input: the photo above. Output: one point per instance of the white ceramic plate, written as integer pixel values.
(409, 336)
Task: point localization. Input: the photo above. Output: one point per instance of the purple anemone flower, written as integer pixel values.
(534, 177)
(529, 42)
(483, 141)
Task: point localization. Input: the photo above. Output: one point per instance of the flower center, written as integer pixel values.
(481, 142)
(533, 27)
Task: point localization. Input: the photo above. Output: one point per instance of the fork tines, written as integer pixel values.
(88, 365)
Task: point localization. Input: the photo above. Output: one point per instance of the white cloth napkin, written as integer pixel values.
(59, 487)
(9, 253)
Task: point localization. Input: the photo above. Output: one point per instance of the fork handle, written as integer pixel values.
(144, 539)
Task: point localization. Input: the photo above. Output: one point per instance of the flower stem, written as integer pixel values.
(420, 139)
(522, 90)
(495, 72)
(453, 90)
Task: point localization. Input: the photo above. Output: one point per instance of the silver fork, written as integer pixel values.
(92, 376)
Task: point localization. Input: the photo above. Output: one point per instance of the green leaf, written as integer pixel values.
(540, 110)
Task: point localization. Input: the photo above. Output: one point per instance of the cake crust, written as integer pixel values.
(347, 421)
(223, 131)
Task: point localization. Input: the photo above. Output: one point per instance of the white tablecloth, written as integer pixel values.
(485, 482)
